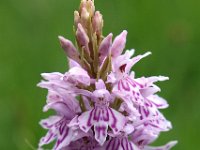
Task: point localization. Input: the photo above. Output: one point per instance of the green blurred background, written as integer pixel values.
(29, 46)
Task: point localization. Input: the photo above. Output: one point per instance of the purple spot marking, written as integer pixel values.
(131, 82)
(140, 85)
(122, 143)
(125, 85)
(84, 127)
(106, 116)
(97, 113)
(50, 136)
(61, 140)
(114, 120)
(127, 144)
(99, 130)
(62, 127)
(153, 125)
(141, 117)
(146, 112)
(130, 146)
(46, 124)
(113, 143)
(118, 144)
(157, 105)
(109, 143)
(90, 118)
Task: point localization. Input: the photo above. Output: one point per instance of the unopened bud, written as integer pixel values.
(104, 47)
(69, 49)
(82, 37)
(97, 22)
(91, 7)
(83, 4)
(76, 18)
(85, 16)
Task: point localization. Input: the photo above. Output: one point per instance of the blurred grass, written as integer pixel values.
(29, 46)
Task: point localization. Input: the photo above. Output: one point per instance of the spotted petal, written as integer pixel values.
(168, 146)
(100, 130)
(101, 118)
(121, 143)
(59, 131)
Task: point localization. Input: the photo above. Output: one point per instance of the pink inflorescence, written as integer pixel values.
(99, 103)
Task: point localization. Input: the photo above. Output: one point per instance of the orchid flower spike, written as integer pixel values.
(99, 104)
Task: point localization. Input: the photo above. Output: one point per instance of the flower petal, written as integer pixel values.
(61, 108)
(86, 120)
(144, 136)
(100, 85)
(100, 130)
(77, 74)
(104, 47)
(134, 61)
(49, 122)
(168, 146)
(116, 120)
(73, 63)
(64, 137)
(157, 78)
(149, 90)
(120, 144)
(48, 138)
(118, 44)
(63, 100)
(52, 76)
(158, 101)
(111, 78)
(155, 119)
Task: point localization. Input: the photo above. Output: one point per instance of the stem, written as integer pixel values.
(82, 104)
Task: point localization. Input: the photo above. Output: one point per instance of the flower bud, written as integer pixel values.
(85, 14)
(76, 18)
(91, 7)
(97, 22)
(105, 47)
(69, 49)
(82, 37)
(85, 18)
(83, 4)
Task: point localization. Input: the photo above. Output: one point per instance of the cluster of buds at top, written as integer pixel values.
(99, 102)
(88, 25)
(90, 19)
